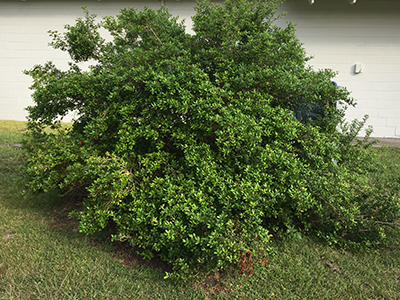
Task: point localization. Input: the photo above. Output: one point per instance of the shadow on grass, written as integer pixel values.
(95, 267)
(44, 222)
(43, 256)
(57, 209)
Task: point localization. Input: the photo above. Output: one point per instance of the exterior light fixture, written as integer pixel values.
(358, 68)
(350, 1)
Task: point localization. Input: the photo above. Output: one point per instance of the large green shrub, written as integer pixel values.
(188, 143)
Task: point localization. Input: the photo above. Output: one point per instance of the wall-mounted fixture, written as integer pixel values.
(350, 1)
(358, 68)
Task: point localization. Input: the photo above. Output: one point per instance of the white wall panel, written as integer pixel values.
(24, 42)
(336, 33)
(339, 35)
(184, 9)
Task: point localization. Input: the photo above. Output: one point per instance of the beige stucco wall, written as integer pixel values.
(338, 34)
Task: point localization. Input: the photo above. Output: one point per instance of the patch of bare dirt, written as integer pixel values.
(9, 234)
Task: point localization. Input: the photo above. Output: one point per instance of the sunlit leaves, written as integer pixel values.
(188, 144)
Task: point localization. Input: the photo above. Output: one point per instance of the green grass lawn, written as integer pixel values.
(42, 256)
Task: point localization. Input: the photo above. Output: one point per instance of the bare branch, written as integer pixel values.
(148, 26)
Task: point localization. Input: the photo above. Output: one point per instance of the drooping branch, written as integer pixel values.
(148, 26)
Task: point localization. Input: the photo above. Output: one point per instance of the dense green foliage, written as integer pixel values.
(188, 143)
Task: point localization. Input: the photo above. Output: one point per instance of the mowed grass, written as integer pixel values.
(41, 259)
(11, 131)
(42, 256)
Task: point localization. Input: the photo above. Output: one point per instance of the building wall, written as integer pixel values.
(336, 33)
(24, 42)
(339, 35)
